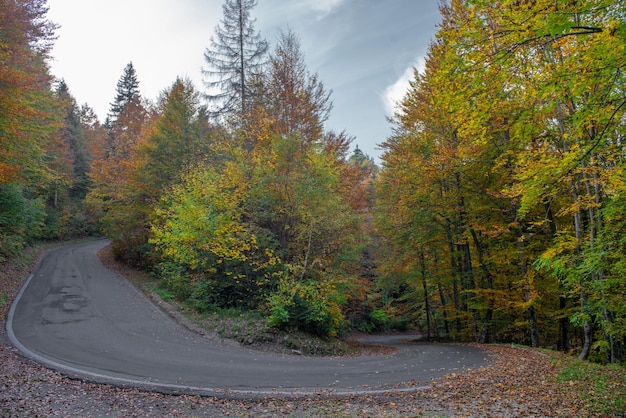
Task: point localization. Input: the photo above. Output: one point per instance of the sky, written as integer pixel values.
(364, 51)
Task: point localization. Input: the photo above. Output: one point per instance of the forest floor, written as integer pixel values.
(519, 382)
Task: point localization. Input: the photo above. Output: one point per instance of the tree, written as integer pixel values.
(127, 114)
(506, 160)
(178, 141)
(60, 163)
(28, 121)
(235, 56)
(71, 134)
(574, 134)
(299, 200)
(25, 97)
(295, 98)
(112, 197)
(266, 214)
(261, 223)
(210, 255)
(127, 92)
(442, 209)
(69, 155)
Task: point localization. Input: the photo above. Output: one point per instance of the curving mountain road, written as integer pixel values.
(75, 315)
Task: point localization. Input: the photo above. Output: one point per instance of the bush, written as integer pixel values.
(21, 219)
(210, 289)
(376, 321)
(307, 306)
(379, 318)
(175, 279)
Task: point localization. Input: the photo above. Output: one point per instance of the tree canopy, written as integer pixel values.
(498, 214)
(499, 182)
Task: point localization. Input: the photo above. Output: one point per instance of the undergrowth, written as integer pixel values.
(251, 328)
(602, 387)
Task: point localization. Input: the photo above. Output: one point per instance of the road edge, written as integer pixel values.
(168, 388)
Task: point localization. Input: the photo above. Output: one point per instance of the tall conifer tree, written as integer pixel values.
(127, 92)
(236, 56)
(126, 115)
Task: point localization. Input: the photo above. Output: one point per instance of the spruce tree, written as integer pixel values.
(127, 92)
(126, 115)
(236, 56)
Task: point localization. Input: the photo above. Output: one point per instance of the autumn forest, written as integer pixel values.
(498, 213)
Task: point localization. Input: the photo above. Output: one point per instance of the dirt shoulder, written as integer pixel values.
(519, 382)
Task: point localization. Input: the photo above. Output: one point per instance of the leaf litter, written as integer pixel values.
(519, 382)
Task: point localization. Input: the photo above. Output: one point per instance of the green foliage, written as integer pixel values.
(498, 202)
(309, 306)
(296, 197)
(223, 213)
(21, 219)
(174, 279)
(234, 228)
(201, 230)
(177, 142)
(116, 196)
(38, 151)
(602, 387)
(127, 92)
(379, 320)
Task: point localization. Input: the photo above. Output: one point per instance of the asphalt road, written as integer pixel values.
(75, 315)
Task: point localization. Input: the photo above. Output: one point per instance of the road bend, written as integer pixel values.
(77, 316)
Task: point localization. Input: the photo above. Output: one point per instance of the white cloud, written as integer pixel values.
(395, 92)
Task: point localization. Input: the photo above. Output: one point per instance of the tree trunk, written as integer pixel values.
(611, 352)
(523, 263)
(587, 340)
(443, 308)
(425, 287)
(455, 273)
(532, 327)
(587, 332)
(564, 343)
(242, 66)
(483, 337)
(56, 193)
(578, 227)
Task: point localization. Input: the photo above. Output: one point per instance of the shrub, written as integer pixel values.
(379, 318)
(21, 219)
(175, 279)
(307, 306)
